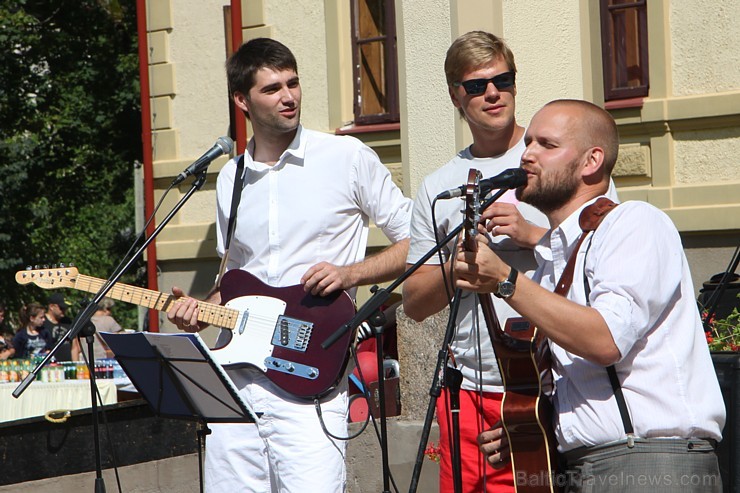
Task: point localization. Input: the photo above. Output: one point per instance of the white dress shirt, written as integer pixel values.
(640, 284)
(315, 204)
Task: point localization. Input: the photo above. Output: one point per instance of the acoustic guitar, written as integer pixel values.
(523, 357)
(279, 331)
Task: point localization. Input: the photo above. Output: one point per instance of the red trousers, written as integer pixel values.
(476, 415)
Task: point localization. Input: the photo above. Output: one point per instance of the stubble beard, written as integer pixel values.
(276, 124)
(553, 194)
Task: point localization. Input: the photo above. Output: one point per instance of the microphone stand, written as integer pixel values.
(88, 331)
(453, 379)
(370, 309)
(83, 319)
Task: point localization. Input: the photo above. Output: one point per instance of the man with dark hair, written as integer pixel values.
(58, 324)
(308, 200)
(637, 403)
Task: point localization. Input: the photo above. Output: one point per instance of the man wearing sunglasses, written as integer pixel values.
(481, 78)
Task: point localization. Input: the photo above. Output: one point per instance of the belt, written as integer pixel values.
(621, 447)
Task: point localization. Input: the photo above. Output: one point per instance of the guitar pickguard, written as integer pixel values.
(261, 327)
(251, 339)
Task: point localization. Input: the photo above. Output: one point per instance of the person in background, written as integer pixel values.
(637, 403)
(6, 336)
(57, 323)
(308, 200)
(104, 322)
(4, 324)
(32, 338)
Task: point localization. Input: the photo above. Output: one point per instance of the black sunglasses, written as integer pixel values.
(474, 87)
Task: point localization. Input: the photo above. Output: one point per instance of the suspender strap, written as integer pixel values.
(621, 404)
(589, 220)
(236, 195)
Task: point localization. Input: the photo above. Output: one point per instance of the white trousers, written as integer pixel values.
(286, 451)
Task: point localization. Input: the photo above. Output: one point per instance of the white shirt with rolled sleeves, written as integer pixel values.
(640, 283)
(315, 204)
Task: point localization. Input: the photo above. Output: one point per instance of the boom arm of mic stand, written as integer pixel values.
(381, 295)
(85, 315)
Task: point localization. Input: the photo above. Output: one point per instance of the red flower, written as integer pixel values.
(432, 452)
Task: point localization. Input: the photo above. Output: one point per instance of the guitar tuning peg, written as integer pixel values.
(28, 267)
(46, 266)
(36, 267)
(71, 264)
(61, 266)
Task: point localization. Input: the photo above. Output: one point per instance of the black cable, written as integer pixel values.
(317, 405)
(370, 417)
(716, 295)
(439, 253)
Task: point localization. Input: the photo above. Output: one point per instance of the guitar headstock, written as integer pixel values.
(48, 277)
(472, 209)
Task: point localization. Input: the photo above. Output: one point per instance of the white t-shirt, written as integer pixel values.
(479, 368)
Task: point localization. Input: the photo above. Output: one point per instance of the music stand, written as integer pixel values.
(178, 377)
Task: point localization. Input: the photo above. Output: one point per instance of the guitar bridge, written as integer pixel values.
(292, 334)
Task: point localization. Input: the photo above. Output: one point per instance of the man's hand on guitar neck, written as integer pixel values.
(494, 445)
(478, 268)
(184, 311)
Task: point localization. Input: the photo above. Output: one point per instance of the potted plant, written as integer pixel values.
(723, 339)
(723, 334)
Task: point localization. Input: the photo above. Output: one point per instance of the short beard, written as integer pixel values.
(553, 195)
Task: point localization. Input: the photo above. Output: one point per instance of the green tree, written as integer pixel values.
(70, 133)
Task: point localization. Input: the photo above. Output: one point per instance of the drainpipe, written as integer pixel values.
(240, 123)
(146, 142)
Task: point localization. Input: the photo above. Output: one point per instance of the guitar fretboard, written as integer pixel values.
(207, 312)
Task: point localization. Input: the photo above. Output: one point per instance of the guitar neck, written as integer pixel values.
(207, 312)
(470, 231)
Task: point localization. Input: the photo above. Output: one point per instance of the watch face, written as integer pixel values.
(506, 288)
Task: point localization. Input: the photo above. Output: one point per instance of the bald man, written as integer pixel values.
(630, 310)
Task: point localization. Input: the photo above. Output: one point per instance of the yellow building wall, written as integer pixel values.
(678, 150)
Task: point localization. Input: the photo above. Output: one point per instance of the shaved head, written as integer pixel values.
(595, 127)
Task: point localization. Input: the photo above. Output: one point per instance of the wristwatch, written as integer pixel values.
(507, 287)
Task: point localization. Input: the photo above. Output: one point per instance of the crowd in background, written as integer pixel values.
(37, 329)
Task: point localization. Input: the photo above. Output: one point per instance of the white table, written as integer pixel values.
(40, 397)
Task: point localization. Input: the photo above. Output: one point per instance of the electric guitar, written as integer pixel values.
(523, 357)
(276, 330)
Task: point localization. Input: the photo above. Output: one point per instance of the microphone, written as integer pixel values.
(510, 178)
(223, 145)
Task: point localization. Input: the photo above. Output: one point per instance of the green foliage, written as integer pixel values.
(70, 133)
(723, 334)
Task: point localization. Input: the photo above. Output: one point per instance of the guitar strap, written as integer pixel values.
(236, 196)
(589, 220)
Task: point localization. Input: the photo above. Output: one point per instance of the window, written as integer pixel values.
(624, 48)
(374, 61)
